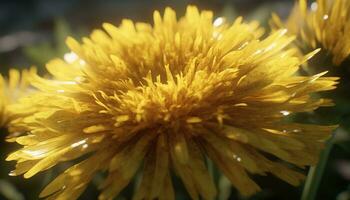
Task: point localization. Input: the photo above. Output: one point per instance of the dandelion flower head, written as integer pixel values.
(164, 97)
(10, 90)
(324, 23)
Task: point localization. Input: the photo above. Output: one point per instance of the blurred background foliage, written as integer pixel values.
(34, 31)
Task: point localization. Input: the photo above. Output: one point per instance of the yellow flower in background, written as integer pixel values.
(10, 90)
(325, 24)
(167, 96)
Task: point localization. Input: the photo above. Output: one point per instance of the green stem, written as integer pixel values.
(315, 174)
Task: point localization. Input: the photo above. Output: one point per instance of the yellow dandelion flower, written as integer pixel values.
(326, 24)
(168, 96)
(10, 90)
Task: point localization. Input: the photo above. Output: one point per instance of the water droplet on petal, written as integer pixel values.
(70, 57)
(218, 21)
(285, 112)
(12, 173)
(78, 143)
(237, 158)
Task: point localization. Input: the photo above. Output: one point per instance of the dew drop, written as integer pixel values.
(12, 173)
(78, 143)
(70, 57)
(239, 159)
(218, 21)
(284, 112)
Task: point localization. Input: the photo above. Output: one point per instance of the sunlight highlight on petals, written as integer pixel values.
(161, 100)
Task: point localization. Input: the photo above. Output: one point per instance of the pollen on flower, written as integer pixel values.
(163, 98)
